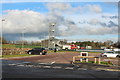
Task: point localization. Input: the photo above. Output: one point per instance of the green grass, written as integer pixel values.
(67, 51)
(106, 63)
(16, 55)
(18, 46)
(77, 51)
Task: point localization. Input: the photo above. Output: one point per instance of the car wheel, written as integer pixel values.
(117, 56)
(104, 56)
(29, 53)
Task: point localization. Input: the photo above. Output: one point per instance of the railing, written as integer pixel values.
(81, 57)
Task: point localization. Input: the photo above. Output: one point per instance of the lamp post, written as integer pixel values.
(3, 20)
(22, 38)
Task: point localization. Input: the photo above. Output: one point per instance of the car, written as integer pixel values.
(37, 51)
(110, 54)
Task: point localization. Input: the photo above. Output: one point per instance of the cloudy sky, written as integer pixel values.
(75, 21)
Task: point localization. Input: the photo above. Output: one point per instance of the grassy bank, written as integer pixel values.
(18, 46)
(77, 51)
(17, 55)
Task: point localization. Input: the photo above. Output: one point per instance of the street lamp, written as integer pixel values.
(3, 20)
(22, 38)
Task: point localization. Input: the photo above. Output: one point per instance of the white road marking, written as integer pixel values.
(57, 67)
(12, 64)
(46, 66)
(53, 62)
(29, 65)
(20, 65)
(43, 63)
(69, 68)
(82, 69)
(26, 62)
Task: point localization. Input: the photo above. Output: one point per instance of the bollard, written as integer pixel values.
(99, 61)
(95, 60)
(109, 62)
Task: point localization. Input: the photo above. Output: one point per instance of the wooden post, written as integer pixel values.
(80, 59)
(73, 59)
(95, 60)
(86, 59)
(99, 61)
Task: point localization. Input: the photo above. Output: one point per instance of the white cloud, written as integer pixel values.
(94, 8)
(16, 21)
(11, 1)
(58, 6)
(34, 22)
(94, 21)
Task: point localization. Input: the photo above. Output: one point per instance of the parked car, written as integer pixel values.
(110, 54)
(37, 51)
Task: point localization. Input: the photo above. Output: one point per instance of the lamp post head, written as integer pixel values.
(53, 24)
(3, 19)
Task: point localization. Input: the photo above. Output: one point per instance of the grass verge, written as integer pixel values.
(18, 46)
(15, 55)
(77, 51)
(106, 63)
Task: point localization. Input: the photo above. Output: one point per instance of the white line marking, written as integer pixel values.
(20, 65)
(57, 67)
(43, 63)
(46, 66)
(12, 64)
(69, 68)
(52, 62)
(82, 69)
(29, 65)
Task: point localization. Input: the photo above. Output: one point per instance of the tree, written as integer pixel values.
(3, 40)
(108, 42)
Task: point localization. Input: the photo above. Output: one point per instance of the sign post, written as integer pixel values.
(84, 54)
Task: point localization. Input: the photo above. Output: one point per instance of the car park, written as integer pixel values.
(37, 51)
(110, 54)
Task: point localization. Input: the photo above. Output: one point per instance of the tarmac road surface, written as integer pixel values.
(20, 69)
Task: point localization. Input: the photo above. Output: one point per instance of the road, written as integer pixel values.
(62, 57)
(20, 69)
(54, 65)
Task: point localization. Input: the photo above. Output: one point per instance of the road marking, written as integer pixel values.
(46, 66)
(57, 67)
(82, 69)
(43, 63)
(69, 68)
(12, 64)
(29, 65)
(26, 62)
(52, 62)
(20, 65)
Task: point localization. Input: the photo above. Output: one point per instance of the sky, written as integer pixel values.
(75, 21)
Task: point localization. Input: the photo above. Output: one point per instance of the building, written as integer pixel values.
(54, 43)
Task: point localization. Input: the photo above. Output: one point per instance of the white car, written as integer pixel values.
(110, 54)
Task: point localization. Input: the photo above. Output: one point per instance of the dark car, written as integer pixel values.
(37, 51)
